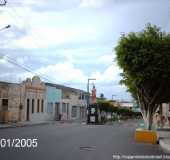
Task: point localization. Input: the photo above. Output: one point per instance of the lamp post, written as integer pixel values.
(88, 95)
(3, 2)
(6, 27)
(1, 29)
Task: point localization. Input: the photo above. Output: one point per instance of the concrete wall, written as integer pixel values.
(72, 98)
(11, 92)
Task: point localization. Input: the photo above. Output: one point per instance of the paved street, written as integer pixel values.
(77, 142)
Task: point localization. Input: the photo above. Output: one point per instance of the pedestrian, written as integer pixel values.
(169, 117)
(158, 119)
(102, 116)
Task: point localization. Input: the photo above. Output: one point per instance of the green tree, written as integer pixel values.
(102, 96)
(145, 60)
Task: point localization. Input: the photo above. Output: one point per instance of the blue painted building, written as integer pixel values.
(54, 97)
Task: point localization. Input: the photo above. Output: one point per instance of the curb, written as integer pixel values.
(164, 145)
(24, 125)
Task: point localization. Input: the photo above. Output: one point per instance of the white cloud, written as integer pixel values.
(63, 72)
(111, 74)
(68, 72)
(3, 61)
(93, 3)
(49, 36)
(106, 59)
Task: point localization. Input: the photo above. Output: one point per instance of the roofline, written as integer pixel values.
(4, 82)
(59, 86)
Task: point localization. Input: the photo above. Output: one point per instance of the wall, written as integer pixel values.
(53, 97)
(33, 89)
(72, 98)
(11, 92)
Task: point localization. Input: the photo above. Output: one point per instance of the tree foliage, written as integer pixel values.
(145, 60)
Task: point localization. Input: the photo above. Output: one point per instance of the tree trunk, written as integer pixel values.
(148, 117)
(149, 120)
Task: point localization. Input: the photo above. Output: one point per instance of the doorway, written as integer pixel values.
(57, 111)
(28, 110)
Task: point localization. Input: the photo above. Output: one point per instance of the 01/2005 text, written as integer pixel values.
(19, 143)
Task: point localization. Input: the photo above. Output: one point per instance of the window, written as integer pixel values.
(74, 111)
(5, 102)
(50, 108)
(42, 105)
(64, 107)
(83, 96)
(80, 96)
(38, 105)
(32, 106)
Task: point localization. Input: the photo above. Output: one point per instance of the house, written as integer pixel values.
(10, 100)
(54, 104)
(73, 102)
(23, 102)
(33, 101)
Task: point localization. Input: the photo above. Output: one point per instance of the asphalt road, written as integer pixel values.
(76, 142)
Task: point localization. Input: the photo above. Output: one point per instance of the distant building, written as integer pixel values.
(126, 104)
(114, 103)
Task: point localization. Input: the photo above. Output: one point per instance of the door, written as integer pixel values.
(4, 110)
(28, 110)
(57, 106)
(67, 111)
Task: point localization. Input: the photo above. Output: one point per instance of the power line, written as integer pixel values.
(16, 16)
(12, 61)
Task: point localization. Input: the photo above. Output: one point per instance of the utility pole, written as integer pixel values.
(113, 96)
(88, 95)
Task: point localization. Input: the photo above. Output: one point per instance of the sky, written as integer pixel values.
(68, 42)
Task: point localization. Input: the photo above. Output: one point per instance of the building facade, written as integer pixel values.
(10, 100)
(54, 105)
(23, 102)
(73, 103)
(33, 101)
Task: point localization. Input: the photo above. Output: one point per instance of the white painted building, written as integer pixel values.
(73, 103)
(33, 93)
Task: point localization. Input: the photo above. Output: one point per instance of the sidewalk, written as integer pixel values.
(164, 138)
(23, 124)
(28, 123)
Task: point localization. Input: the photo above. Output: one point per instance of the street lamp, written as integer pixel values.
(1, 29)
(3, 2)
(6, 27)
